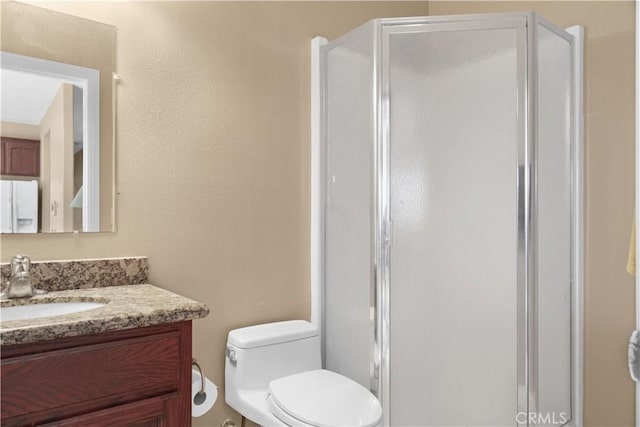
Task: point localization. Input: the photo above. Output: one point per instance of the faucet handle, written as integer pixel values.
(20, 264)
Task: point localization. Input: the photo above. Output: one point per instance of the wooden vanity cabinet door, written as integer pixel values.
(131, 378)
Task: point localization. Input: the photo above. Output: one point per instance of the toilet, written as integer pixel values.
(274, 377)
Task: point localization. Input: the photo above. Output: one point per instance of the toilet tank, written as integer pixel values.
(258, 354)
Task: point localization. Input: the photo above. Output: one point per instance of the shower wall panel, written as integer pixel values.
(554, 225)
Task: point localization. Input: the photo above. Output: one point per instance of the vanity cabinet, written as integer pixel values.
(20, 157)
(137, 378)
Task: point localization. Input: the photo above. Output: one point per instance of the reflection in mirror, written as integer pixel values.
(50, 135)
(56, 122)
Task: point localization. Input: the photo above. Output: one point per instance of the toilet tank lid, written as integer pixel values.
(271, 333)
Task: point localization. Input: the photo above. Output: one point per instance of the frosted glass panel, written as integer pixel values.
(554, 226)
(453, 141)
(349, 192)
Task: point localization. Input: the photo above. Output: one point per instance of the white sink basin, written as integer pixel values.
(35, 311)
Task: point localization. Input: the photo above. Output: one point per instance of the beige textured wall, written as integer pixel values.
(213, 156)
(609, 152)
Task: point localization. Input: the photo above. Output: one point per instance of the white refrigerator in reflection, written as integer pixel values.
(19, 210)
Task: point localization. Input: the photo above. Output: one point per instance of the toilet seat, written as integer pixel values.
(322, 398)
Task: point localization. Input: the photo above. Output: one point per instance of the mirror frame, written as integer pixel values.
(89, 80)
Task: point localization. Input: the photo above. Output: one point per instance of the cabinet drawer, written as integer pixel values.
(143, 413)
(90, 377)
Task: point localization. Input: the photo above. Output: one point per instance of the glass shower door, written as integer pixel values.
(455, 151)
(348, 231)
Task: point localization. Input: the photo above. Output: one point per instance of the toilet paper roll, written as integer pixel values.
(199, 406)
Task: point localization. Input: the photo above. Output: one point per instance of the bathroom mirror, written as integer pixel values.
(57, 122)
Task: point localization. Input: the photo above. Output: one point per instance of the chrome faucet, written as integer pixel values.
(20, 281)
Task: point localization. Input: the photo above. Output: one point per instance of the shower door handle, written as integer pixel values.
(389, 233)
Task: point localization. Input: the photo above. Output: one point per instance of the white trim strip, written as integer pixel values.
(577, 350)
(317, 219)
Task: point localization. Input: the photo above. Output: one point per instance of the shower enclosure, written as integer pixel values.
(451, 218)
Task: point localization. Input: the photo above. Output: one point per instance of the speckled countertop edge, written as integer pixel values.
(127, 307)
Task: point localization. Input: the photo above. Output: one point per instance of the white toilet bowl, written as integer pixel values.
(273, 377)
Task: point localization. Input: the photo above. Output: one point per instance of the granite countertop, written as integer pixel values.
(127, 307)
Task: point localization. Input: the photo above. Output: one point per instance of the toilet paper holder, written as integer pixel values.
(200, 396)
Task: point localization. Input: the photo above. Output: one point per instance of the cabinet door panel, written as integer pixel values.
(20, 157)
